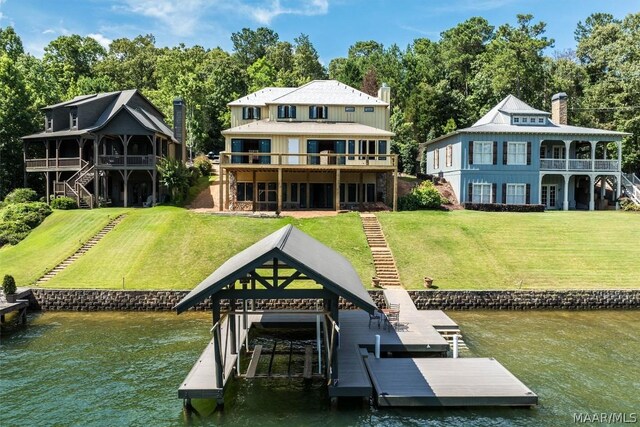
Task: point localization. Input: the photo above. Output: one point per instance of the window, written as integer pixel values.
(516, 120)
(517, 153)
(541, 120)
(524, 120)
(286, 111)
(351, 148)
(367, 147)
(516, 194)
(368, 109)
(436, 159)
(481, 193)
(382, 149)
(244, 192)
(294, 192)
(318, 112)
(48, 123)
(482, 152)
(558, 152)
(349, 109)
(449, 155)
(352, 193)
(251, 113)
(74, 118)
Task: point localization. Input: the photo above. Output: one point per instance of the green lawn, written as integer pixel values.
(169, 248)
(481, 250)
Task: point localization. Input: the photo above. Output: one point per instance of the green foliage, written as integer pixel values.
(9, 285)
(424, 196)
(64, 203)
(12, 232)
(31, 213)
(21, 195)
(203, 164)
(176, 177)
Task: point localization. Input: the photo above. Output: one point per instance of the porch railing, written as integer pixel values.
(66, 162)
(579, 165)
(308, 159)
(119, 161)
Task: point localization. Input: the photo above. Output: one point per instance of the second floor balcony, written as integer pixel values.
(580, 165)
(148, 161)
(323, 160)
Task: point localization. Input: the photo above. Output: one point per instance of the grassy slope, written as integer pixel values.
(480, 250)
(55, 239)
(170, 248)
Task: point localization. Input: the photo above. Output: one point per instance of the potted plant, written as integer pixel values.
(428, 282)
(376, 282)
(9, 288)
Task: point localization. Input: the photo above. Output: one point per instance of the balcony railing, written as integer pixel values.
(308, 159)
(587, 165)
(53, 163)
(118, 161)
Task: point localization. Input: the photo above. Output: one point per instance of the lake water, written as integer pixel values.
(108, 369)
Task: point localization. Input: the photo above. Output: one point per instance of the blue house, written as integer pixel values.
(517, 154)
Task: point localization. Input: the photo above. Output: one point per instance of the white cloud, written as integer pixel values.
(49, 31)
(180, 16)
(104, 41)
(266, 14)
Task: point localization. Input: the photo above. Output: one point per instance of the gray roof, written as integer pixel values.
(327, 92)
(58, 134)
(296, 249)
(501, 113)
(261, 97)
(266, 126)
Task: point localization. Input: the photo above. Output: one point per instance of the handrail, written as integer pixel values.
(296, 159)
(580, 164)
(86, 194)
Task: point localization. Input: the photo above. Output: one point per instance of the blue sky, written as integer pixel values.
(332, 25)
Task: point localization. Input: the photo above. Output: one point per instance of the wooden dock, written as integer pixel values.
(446, 382)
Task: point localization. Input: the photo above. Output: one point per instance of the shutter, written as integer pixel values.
(495, 152)
(527, 196)
(325, 112)
(470, 192)
(256, 113)
(340, 149)
(280, 111)
(470, 152)
(505, 152)
(265, 147)
(504, 194)
(312, 112)
(528, 153)
(494, 187)
(292, 111)
(244, 113)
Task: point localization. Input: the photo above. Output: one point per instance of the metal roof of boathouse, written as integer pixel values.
(295, 249)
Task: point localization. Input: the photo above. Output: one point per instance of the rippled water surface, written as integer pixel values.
(108, 369)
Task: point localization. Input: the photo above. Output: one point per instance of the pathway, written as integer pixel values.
(383, 260)
(77, 254)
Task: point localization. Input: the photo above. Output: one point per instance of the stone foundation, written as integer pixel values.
(101, 300)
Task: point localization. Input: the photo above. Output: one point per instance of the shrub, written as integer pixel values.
(175, 176)
(21, 195)
(424, 196)
(9, 285)
(500, 207)
(203, 164)
(194, 175)
(628, 205)
(12, 232)
(32, 214)
(64, 203)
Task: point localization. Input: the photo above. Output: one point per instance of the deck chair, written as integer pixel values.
(148, 203)
(377, 315)
(391, 315)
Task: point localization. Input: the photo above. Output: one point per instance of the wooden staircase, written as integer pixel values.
(383, 260)
(83, 249)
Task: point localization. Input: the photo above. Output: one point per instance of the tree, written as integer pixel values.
(403, 142)
(370, 83)
(130, 64)
(306, 63)
(250, 45)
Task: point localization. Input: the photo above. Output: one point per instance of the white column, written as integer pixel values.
(540, 190)
(593, 155)
(619, 145)
(567, 147)
(565, 193)
(592, 196)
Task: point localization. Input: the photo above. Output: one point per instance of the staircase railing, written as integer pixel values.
(631, 184)
(83, 164)
(84, 195)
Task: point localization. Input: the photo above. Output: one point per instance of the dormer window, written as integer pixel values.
(524, 120)
(516, 120)
(318, 112)
(286, 111)
(250, 113)
(48, 123)
(541, 120)
(73, 118)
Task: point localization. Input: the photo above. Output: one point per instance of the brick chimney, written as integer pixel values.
(559, 108)
(180, 126)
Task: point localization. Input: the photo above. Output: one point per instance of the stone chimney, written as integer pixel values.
(559, 108)
(180, 127)
(384, 93)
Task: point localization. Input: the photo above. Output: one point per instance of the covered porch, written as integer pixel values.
(579, 191)
(578, 155)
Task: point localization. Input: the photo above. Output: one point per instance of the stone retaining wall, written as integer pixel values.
(96, 300)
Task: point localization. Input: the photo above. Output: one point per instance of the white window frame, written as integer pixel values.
(482, 192)
(513, 156)
(482, 156)
(436, 158)
(449, 156)
(516, 120)
(540, 120)
(516, 194)
(557, 149)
